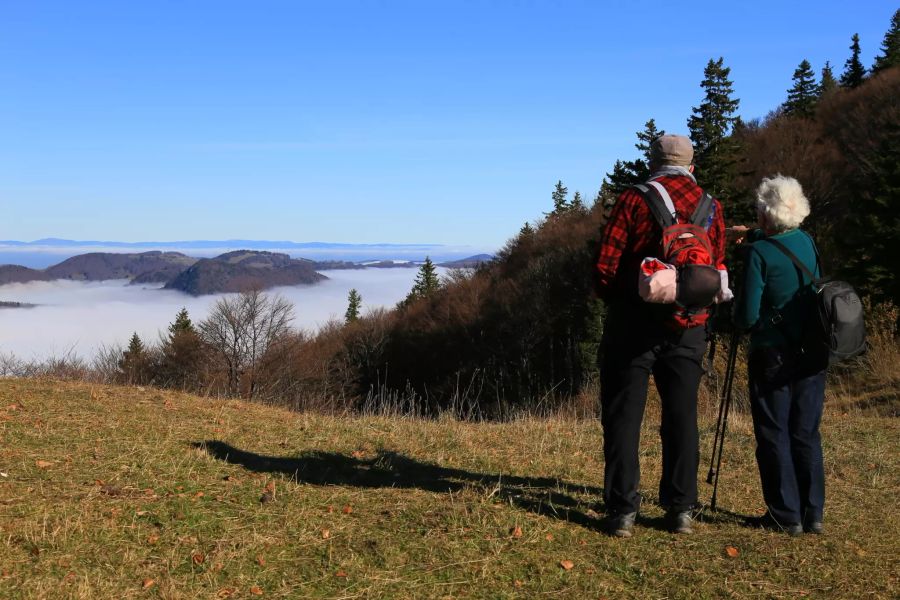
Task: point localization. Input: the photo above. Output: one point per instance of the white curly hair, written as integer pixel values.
(781, 203)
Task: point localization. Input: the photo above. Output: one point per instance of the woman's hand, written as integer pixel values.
(736, 234)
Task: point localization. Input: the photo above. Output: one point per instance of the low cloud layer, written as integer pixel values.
(80, 317)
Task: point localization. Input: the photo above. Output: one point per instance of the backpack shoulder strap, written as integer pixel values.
(658, 201)
(797, 262)
(703, 210)
(815, 248)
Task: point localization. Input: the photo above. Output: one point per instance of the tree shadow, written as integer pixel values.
(540, 495)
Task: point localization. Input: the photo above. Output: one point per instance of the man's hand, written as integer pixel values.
(736, 234)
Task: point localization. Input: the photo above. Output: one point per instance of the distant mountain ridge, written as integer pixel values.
(244, 269)
(154, 266)
(229, 272)
(249, 244)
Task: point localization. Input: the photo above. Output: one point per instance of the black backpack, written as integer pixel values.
(836, 329)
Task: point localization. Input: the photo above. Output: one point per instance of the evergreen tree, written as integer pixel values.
(527, 231)
(354, 302)
(801, 100)
(646, 139)
(890, 47)
(710, 127)
(626, 173)
(426, 283)
(854, 71)
(181, 354)
(181, 324)
(577, 204)
(135, 361)
(560, 204)
(828, 83)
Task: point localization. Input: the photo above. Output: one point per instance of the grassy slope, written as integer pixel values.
(126, 497)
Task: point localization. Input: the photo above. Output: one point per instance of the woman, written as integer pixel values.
(787, 386)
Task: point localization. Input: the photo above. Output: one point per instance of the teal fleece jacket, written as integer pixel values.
(771, 289)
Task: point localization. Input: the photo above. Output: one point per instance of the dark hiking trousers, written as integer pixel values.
(634, 346)
(786, 400)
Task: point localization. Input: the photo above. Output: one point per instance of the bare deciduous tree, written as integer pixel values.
(241, 329)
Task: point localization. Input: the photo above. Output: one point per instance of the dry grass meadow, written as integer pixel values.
(116, 492)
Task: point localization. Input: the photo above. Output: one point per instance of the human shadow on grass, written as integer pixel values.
(541, 495)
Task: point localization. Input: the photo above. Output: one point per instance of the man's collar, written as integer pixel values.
(672, 171)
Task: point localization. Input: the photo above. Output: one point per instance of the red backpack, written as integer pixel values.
(685, 272)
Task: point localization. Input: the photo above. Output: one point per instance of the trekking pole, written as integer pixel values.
(722, 421)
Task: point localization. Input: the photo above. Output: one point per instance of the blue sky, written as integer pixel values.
(367, 121)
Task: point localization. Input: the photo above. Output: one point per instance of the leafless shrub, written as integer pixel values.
(240, 330)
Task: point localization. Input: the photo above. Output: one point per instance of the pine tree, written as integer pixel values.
(577, 204)
(801, 100)
(854, 71)
(354, 302)
(134, 362)
(527, 231)
(181, 324)
(890, 47)
(828, 83)
(710, 127)
(560, 204)
(426, 283)
(181, 354)
(646, 139)
(626, 173)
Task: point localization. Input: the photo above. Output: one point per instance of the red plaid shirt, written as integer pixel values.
(631, 234)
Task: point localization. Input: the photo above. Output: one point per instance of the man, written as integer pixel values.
(640, 338)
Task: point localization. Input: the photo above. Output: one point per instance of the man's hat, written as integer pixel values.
(672, 150)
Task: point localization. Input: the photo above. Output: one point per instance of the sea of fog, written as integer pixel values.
(79, 317)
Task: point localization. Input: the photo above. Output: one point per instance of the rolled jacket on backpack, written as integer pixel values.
(658, 281)
(691, 286)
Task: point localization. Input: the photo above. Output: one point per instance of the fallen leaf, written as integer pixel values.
(549, 537)
(261, 561)
(43, 464)
(270, 487)
(517, 583)
(326, 534)
(225, 592)
(330, 508)
(256, 590)
(99, 482)
(516, 532)
(357, 454)
(148, 583)
(111, 490)
(70, 577)
(347, 510)
(141, 513)
(731, 551)
(566, 564)
(198, 558)
(152, 539)
(340, 573)
(199, 495)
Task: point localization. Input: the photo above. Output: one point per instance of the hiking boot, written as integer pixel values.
(621, 524)
(767, 521)
(813, 526)
(680, 521)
